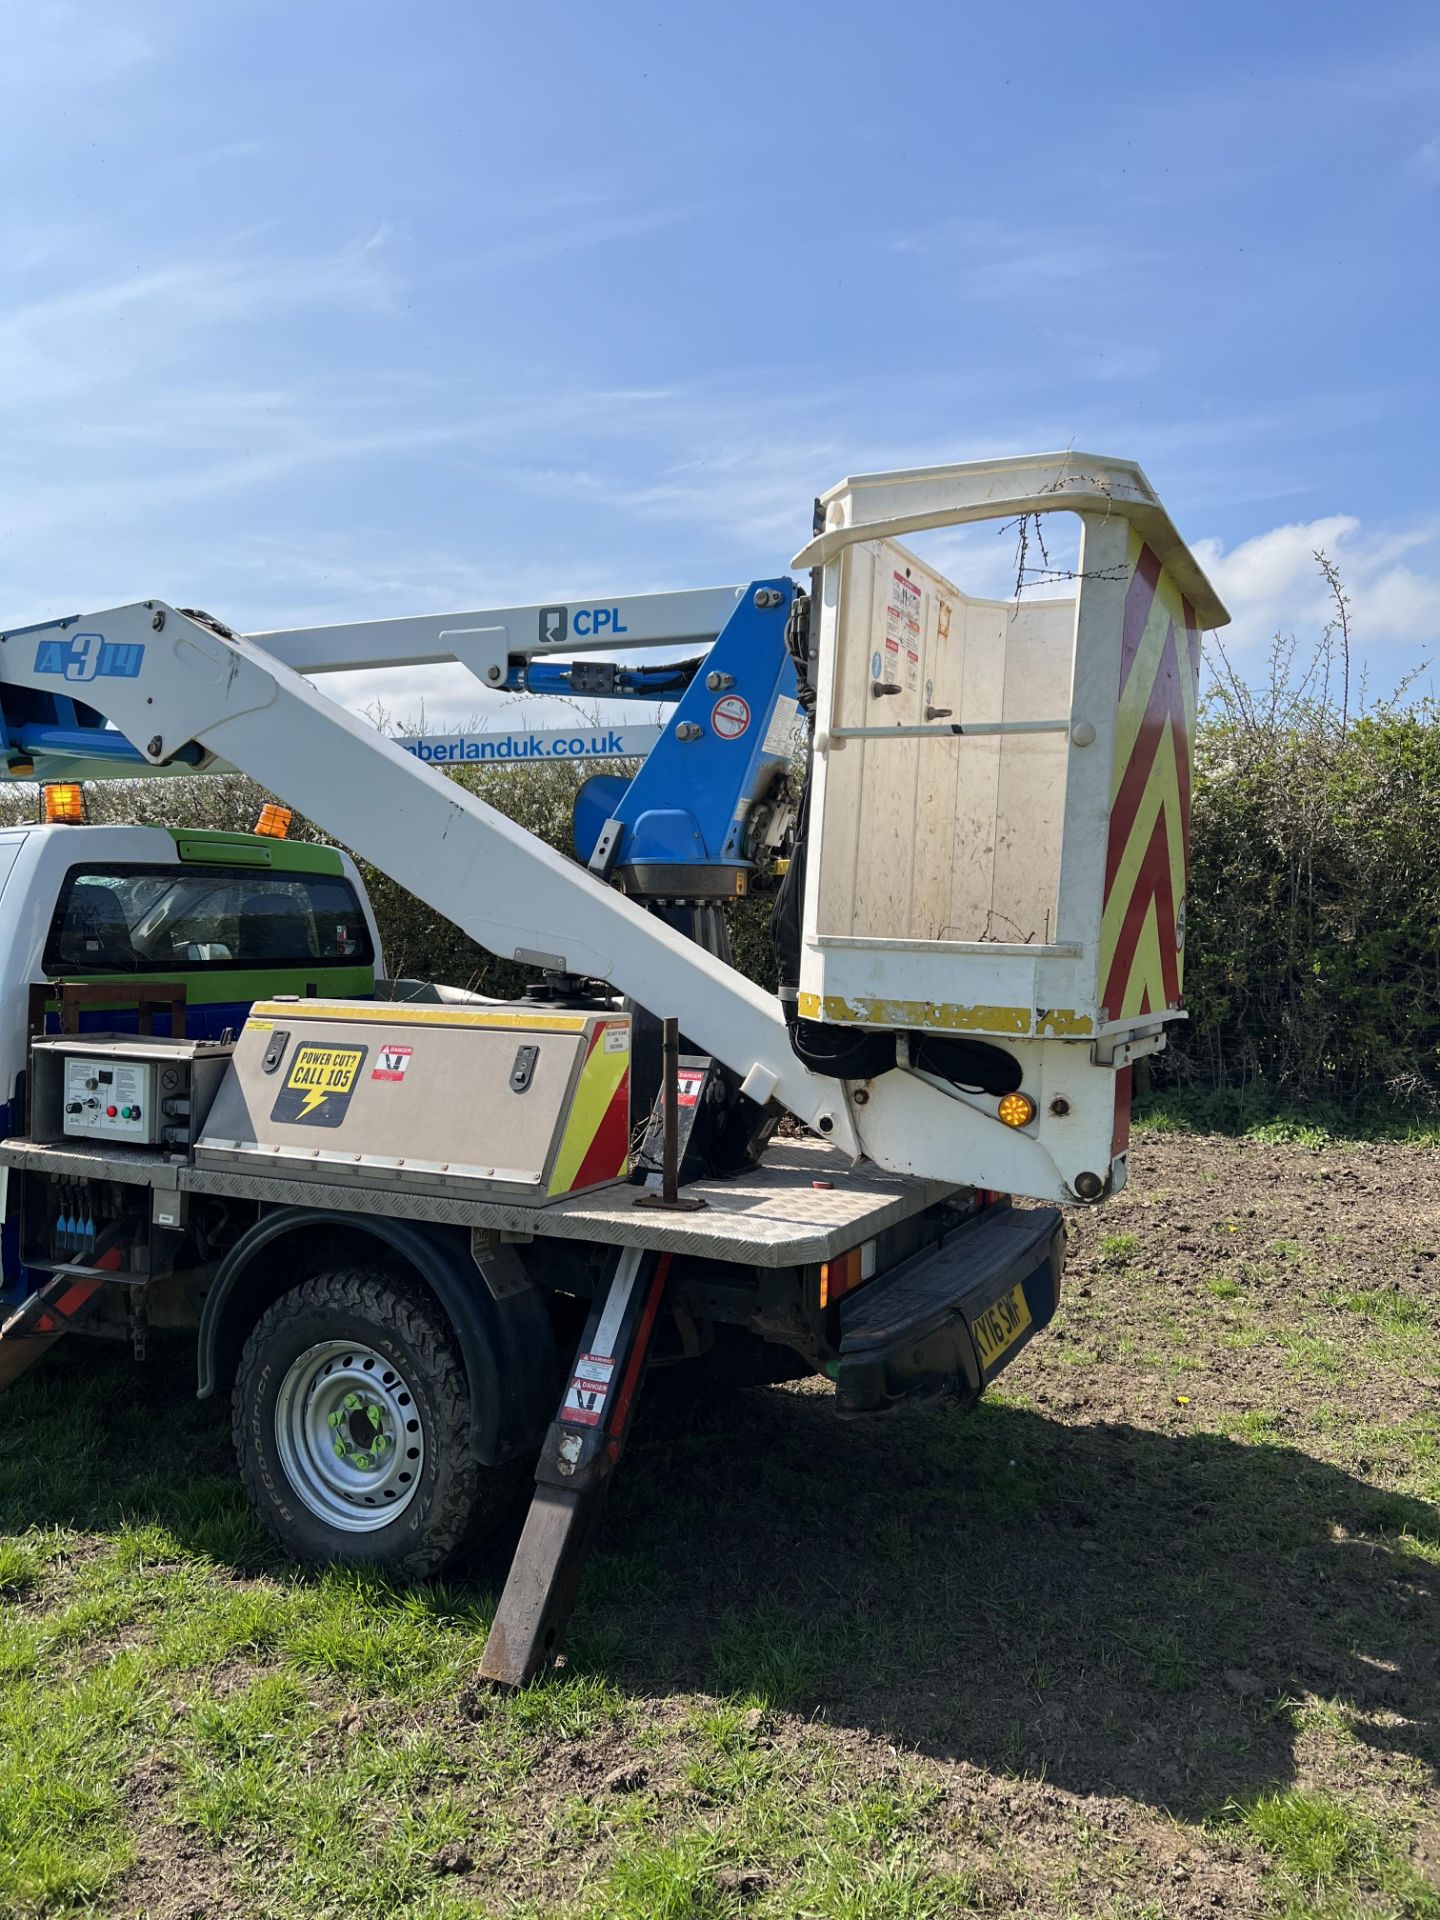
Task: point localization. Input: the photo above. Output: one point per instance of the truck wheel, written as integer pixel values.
(352, 1424)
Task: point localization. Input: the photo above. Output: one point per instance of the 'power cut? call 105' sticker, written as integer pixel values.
(319, 1084)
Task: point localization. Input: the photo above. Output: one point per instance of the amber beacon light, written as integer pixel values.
(64, 805)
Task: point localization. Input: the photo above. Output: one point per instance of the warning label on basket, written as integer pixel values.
(588, 1390)
(730, 716)
(393, 1064)
(902, 629)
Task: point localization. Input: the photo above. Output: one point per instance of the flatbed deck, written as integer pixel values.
(804, 1203)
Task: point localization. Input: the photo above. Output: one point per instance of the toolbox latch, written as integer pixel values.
(523, 1071)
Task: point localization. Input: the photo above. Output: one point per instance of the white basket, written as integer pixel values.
(1000, 812)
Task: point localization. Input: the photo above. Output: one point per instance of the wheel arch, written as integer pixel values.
(507, 1345)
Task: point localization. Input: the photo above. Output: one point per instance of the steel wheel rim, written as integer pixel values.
(350, 1435)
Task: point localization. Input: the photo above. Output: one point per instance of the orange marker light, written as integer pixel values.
(839, 1276)
(64, 805)
(1016, 1109)
(274, 822)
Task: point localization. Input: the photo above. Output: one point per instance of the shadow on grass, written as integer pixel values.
(1120, 1610)
(1117, 1609)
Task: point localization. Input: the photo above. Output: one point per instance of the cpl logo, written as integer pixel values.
(556, 623)
(90, 656)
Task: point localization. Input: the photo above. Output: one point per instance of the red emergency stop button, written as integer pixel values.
(110, 1112)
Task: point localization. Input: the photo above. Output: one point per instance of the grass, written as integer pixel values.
(1395, 1311)
(1117, 1249)
(1005, 1662)
(19, 1568)
(1262, 1114)
(1335, 1862)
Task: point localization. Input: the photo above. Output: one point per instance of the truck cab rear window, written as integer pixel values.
(169, 919)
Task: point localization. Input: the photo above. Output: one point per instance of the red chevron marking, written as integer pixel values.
(1153, 882)
(1139, 597)
(1166, 702)
(605, 1155)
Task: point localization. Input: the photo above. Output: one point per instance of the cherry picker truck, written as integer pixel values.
(413, 1234)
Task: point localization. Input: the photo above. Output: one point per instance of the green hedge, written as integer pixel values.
(1313, 941)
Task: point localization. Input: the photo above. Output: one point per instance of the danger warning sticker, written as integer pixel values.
(688, 1082)
(730, 716)
(588, 1390)
(393, 1064)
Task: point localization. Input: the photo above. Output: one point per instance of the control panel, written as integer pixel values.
(111, 1099)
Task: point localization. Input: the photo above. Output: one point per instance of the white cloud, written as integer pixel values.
(1272, 583)
(106, 332)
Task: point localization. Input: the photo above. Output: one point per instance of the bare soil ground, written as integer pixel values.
(1155, 1631)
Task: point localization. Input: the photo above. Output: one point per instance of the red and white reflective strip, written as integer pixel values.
(847, 1271)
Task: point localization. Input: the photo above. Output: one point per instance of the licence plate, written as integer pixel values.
(1000, 1326)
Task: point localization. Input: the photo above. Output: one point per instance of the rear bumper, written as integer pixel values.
(923, 1328)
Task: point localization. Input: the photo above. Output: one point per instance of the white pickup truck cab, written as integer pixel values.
(236, 917)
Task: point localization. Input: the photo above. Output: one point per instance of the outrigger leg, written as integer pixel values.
(581, 1451)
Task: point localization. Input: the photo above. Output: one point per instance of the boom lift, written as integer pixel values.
(981, 929)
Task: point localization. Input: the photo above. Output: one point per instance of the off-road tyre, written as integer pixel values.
(454, 1500)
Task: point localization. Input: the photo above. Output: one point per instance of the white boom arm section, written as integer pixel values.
(516, 896)
(484, 641)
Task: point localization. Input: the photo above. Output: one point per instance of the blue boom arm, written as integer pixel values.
(685, 825)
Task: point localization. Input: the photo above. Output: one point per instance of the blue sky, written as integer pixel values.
(314, 310)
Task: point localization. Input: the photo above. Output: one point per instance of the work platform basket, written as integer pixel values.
(1001, 802)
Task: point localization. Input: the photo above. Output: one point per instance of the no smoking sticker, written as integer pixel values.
(393, 1064)
(730, 716)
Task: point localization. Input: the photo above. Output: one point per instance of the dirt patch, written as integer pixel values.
(177, 1875)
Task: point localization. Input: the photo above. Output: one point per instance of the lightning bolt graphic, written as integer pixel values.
(311, 1101)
